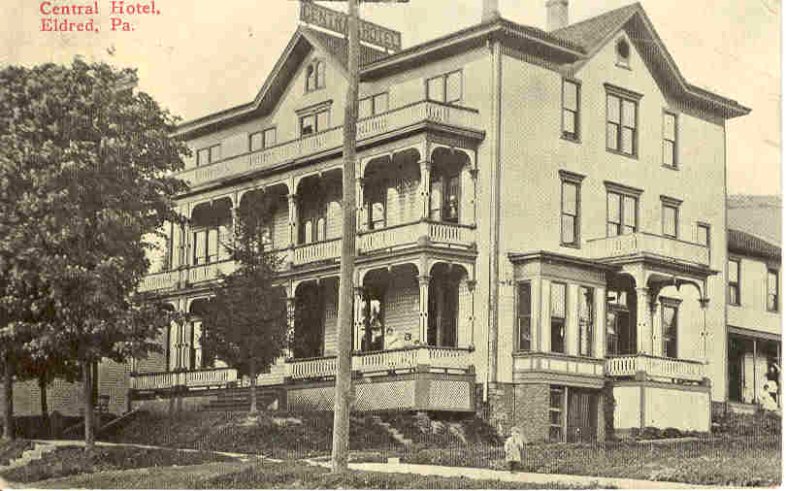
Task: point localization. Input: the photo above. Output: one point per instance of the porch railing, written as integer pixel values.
(317, 251)
(398, 118)
(642, 242)
(655, 368)
(209, 377)
(211, 271)
(385, 361)
(159, 281)
(409, 233)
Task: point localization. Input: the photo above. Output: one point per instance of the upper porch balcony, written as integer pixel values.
(409, 117)
(640, 245)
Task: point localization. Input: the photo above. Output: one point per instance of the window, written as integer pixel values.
(556, 414)
(262, 139)
(621, 133)
(315, 75)
(734, 282)
(525, 317)
(703, 234)
(371, 106)
(623, 211)
(586, 320)
(669, 310)
(669, 140)
(558, 304)
(208, 155)
(570, 110)
(670, 217)
(377, 199)
(623, 53)
(773, 290)
(570, 213)
(314, 122)
(445, 88)
(445, 195)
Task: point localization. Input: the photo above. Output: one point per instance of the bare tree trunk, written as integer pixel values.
(253, 372)
(87, 395)
(44, 404)
(8, 399)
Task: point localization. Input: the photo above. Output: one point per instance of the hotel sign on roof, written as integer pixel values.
(335, 21)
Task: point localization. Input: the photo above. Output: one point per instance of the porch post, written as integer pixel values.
(290, 324)
(425, 188)
(358, 337)
(359, 189)
(705, 304)
(643, 320)
(755, 375)
(293, 219)
(473, 195)
(423, 282)
(471, 284)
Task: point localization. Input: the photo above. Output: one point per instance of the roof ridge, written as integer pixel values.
(636, 5)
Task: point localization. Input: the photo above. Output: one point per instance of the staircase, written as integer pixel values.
(239, 400)
(392, 431)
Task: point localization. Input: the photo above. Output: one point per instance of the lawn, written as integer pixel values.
(68, 461)
(285, 475)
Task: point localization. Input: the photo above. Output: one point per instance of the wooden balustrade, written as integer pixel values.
(655, 368)
(317, 251)
(642, 242)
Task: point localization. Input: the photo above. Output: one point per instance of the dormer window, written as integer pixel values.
(623, 53)
(315, 75)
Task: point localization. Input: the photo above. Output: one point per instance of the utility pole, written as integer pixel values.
(343, 397)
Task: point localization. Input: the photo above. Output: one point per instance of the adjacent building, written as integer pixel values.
(541, 230)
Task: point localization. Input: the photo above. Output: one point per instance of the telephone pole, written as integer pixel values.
(343, 397)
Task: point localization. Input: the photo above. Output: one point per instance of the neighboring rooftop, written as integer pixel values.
(744, 243)
(756, 215)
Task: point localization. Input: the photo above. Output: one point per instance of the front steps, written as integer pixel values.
(239, 400)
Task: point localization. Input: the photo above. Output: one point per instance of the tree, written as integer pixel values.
(87, 165)
(245, 325)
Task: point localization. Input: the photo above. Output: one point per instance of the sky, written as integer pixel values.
(201, 56)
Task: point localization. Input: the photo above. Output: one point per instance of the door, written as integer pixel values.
(582, 415)
(620, 333)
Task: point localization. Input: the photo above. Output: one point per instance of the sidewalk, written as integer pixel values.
(528, 477)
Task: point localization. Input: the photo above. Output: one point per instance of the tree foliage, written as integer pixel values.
(86, 171)
(245, 325)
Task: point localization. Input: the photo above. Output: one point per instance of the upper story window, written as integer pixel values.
(445, 88)
(669, 316)
(670, 212)
(623, 53)
(208, 155)
(262, 139)
(773, 290)
(558, 309)
(670, 140)
(371, 106)
(525, 316)
(445, 194)
(376, 197)
(622, 210)
(703, 234)
(586, 320)
(570, 207)
(622, 121)
(315, 75)
(570, 109)
(734, 282)
(314, 122)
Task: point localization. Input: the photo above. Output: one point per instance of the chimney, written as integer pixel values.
(557, 16)
(490, 10)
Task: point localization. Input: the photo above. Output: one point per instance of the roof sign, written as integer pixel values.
(332, 20)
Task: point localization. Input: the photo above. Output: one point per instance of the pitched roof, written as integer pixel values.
(590, 32)
(756, 215)
(745, 243)
(337, 47)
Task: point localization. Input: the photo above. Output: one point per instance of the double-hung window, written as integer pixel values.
(586, 320)
(447, 88)
(371, 106)
(570, 207)
(262, 139)
(670, 139)
(208, 155)
(570, 109)
(622, 121)
(622, 210)
(314, 122)
(525, 316)
(558, 315)
(670, 213)
(445, 195)
(703, 234)
(315, 75)
(669, 315)
(734, 282)
(773, 290)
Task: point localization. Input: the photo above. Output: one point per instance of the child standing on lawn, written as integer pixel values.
(514, 446)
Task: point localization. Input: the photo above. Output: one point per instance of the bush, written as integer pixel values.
(13, 449)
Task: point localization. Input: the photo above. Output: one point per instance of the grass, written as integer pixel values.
(67, 461)
(285, 475)
(724, 461)
(13, 449)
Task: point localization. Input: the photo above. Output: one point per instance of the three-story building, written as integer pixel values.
(541, 227)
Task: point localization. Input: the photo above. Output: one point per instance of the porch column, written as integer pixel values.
(358, 337)
(471, 284)
(704, 303)
(425, 188)
(755, 375)
(359, 205)
(423, 282)
(293, 219)
(467, 213)
(644, 321)
(290, 324)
